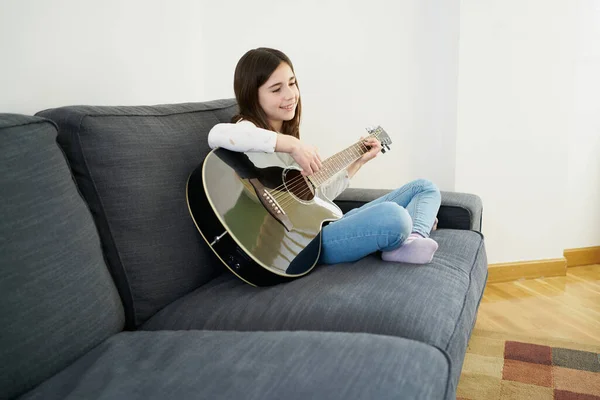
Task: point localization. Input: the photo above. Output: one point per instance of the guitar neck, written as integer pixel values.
(338, 162)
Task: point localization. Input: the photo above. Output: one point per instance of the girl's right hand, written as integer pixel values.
(307, 158)
(305, 155)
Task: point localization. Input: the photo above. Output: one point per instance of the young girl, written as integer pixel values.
(397, 224)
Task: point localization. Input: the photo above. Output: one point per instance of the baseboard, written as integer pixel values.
(506, 272)
(582, 256)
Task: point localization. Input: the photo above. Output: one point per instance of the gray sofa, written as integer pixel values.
(108, 291)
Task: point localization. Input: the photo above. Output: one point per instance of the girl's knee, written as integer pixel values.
(396, 218)
(405, 222)
(427, 186)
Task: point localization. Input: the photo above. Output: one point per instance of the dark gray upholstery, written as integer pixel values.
(434, 303)
(132, 165)
(57, 298)
(391, 330)
(253, 365)
(457, 211)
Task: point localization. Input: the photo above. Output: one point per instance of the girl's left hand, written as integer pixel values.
(375, 146)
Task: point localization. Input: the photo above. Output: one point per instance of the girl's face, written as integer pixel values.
(279, 95)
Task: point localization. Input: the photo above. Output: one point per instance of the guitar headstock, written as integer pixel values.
(381, 135)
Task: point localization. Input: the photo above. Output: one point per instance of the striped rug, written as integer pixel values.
(505, 369)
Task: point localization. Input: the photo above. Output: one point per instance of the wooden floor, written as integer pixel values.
(551, 311)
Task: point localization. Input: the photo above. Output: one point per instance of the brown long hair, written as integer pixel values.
(252, 71)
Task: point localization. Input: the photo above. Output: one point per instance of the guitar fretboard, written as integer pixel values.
(339, 161)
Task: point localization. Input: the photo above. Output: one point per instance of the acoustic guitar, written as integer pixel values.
(260, 215)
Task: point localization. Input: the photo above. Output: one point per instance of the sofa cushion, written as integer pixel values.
(132, 165)
(57, 299)
(434, 303)
(457, 211)
(252, 365)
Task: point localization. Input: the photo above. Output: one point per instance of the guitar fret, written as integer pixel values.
(344, 158)
(338, 162)
(348, 156)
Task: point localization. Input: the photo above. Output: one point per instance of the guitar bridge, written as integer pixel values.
(270, 204)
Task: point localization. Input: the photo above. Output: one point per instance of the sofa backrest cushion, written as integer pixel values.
(57, 299)
(132, 164)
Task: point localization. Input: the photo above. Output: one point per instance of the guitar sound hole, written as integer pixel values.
(297, 185)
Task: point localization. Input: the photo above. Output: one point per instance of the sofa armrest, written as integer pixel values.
(458, 210)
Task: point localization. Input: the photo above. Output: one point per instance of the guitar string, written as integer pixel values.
(344, 164)
(297, 182)
(287, 198)
(284, 198)
(300, 177)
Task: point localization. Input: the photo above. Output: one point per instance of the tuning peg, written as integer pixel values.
(383, 149)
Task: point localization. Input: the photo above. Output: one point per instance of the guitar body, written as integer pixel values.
(259, 215)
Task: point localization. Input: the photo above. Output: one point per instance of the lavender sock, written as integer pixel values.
(415, 250)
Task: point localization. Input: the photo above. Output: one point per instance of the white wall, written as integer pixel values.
(65, 52)
(358, 63)
(583, 175)
(527, 138)
(498, 98)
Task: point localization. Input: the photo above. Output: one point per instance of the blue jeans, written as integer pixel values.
(382, 224)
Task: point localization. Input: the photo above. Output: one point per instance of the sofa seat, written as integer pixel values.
(252, 365)
(434, 303)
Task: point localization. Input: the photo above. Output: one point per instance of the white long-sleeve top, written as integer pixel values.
(244, 136)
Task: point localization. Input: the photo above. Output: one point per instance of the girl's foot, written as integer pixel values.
(415, 250)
